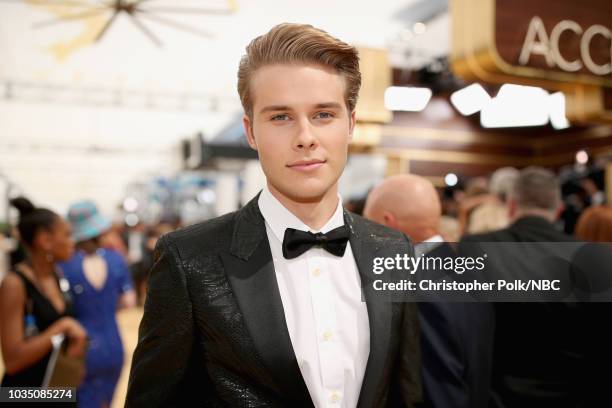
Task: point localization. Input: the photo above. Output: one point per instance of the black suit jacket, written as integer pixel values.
(546, 354)
(525, 229)
(214, 333)
(456, 347)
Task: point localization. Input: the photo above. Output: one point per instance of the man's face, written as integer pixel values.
(301, 129)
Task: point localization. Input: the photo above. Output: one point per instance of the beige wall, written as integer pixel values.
(59, 154)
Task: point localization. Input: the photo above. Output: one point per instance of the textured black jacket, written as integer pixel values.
(214, 333)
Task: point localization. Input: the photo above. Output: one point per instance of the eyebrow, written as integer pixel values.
(274, 108)
(325, 105)
(328, 105)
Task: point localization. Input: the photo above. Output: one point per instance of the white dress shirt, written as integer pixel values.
(327, 321)
(435, 238)
(427, 245)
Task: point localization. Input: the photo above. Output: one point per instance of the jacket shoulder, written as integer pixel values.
(496, 236)
(209, 236)
(377, 231)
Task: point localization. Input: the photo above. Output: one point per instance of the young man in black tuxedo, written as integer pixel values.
(263, 307)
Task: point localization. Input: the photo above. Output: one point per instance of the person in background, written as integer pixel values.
(34, 306)
(449, 228)
(456, 338)
(595, 224)
(101, 284)
(492, 214)
(534, 205)
(546, 355)
(112, 239)
(141, 268)
(449, 223)
(594, 195)
(407, 203)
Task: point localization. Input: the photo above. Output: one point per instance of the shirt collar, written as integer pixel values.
(278, 218)
(428, 245)
(435, 238)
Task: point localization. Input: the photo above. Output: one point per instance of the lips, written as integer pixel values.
(306, 165)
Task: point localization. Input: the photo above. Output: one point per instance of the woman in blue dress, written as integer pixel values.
(100, 283)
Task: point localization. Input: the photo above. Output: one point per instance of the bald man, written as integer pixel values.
(407, 203)
(456, 338)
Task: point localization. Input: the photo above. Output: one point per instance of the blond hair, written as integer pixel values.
(299, 43)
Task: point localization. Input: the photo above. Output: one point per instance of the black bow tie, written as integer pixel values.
(296, 242)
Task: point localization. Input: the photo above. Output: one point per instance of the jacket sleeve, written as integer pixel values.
(165, 336)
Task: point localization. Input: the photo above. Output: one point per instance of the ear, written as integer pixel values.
(248, 131)
(352, 122)
(512, 206)
(43, 240)
(389, 220)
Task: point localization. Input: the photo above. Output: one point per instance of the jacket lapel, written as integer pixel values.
(379, 312)
(250, 270)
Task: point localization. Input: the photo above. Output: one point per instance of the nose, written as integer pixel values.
(305, 139)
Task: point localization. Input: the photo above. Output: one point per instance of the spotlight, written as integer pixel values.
(131, 220)
(130, 204)
(582, 157)
(451, 179)
(419, 28)
(206, 196)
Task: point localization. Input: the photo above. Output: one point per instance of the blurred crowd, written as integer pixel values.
(519, 353)
(480, 204)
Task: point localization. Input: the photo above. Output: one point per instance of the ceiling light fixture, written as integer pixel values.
(419, 28)
(517, 105)
(451, 179)
(558, 120)
(470, 99)
(403, 98)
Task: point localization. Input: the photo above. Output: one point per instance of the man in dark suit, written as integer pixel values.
(545, 354)
(263, 307)
(456, 337)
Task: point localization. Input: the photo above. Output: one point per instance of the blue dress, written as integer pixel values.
(95, 309)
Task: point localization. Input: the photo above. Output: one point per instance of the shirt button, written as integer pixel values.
(335, 398)
(316, 272)
(327, 335)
